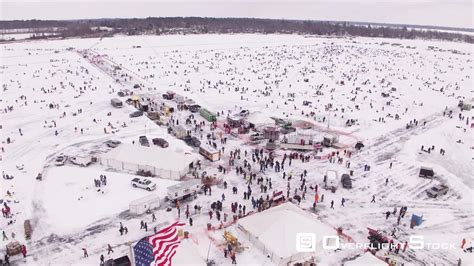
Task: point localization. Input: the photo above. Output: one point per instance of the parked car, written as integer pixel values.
(112, 143)
(81, 160)
(244, 113)
(192, 141)
(194, 108)
(426, 172)
(144, 141)
(160, 142)
(136, 114)
(60, 160)
(436, 191)
(256, 136)
(143, 183)
(346, 181)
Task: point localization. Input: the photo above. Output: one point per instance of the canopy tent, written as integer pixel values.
(258, 119)
(187, 254)
(275, 232)
(164, 163)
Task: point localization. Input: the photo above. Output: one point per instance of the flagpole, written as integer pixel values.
(208, 250)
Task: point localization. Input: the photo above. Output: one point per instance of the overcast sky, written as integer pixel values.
(453, 13)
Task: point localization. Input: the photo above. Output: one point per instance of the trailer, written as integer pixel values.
(142, 205)
(184, 190)
(179, 131)
(209, 152)
(208, 115)
(329, 140)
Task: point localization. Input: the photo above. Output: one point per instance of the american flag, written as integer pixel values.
(158, 249)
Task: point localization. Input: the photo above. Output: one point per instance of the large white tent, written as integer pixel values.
(164, 163)
(274, 231)
(187, 254)
(366, 259)
(259, 119)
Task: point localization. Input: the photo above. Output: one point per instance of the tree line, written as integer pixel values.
(199, 25)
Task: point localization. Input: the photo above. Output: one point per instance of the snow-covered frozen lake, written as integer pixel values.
(56, 96)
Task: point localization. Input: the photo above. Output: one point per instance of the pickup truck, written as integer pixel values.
(160, 142)
(436, 191)
(143, 183)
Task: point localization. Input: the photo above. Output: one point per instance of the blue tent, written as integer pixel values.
(416, 219)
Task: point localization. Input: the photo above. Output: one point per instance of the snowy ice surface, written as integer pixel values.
(226, 73)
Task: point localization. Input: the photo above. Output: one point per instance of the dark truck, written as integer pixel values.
(160, 142)
(144, 141)
(346, 181)
(192, 141)
(426, 172)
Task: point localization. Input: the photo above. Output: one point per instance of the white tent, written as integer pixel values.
(258, 119)
(275, 231)
(366, 259)
(187, 255)
(164, 163)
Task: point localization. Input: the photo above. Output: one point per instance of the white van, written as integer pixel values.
(332, 182)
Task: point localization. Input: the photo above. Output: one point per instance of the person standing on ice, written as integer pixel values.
(332, 204)
(342, 202)
(23, 251)
(85, 253)
(7, 259)
(102, 259)
(109, 249)
(232, 256)
(373, 199)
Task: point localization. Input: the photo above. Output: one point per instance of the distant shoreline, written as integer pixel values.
(53, 29)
